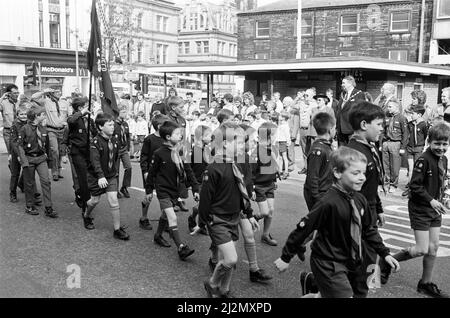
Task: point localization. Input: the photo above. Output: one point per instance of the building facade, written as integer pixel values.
(208, 32)
(440, 41)
(47, 32)
(381, 28)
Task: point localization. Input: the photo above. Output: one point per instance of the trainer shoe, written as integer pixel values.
(431, 290)
(60, 177)
(31, 210)
(125, 192)
(307, 283)
(159, 240)
(191, 223)
(145, 225)
(259, 276)
(120, 234)
(13, 198)
(119, 196)
(184, 252)
(79, 201)
(267, 239)
(88, 223)
(213, 292)
(49, 212)
(212, 265)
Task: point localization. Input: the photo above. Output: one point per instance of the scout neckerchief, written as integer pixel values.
(110, 154)
(39, 137)
(355, 225)
(376, 158)
(442, 175)
(239, 178)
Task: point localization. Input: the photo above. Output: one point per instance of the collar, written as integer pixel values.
(104, 138)
(341, 189)
(324, 141)
(359, 139)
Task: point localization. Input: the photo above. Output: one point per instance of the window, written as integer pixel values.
(262, 56)
(418, 86)
(206, 47)
(161, 23)
(349, 23)
(194, 21)
(161, 53)
(443, 10)
(139, 20)
(222, 49)
(230, 49)
(306, 26)
(347, 53)
(55, 31)
(443, 46)
(187, 48)
(398, 55)
(400, 92)
(139, 53)
(262, 29)
(129, 52)
(41, 29)
(180, 48)
(399, 21)
(199, 47)
(68, 31)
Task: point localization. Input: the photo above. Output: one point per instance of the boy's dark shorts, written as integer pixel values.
(423, 218)
(167, 203)
(224, 229)
(414, 152)
(333, 279)
(283, 146)
(264, 192)
(113, 186)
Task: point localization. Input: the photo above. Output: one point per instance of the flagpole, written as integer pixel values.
(89, 115)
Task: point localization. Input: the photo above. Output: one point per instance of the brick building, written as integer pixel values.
(388, 29)
(382, 28)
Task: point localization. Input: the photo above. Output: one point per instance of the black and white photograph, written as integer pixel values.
(261, 151)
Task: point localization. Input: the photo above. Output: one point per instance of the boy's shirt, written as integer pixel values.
(283, 133)
(332, 219)
(427, 181)
(220, 195)
(122, 134)
(396, 129)
(418, 131)
(319, 177)
(15, 129)
(374, 172)
(141, 128)
(165, 175)
(103, 156)
(265, 169)
(199, 161)
(33, 142)
(77, 136)
(150, 145)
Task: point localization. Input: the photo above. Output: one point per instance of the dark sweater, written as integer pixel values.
(264, 171)
(122, 134)
(199, 161)
(165, 177)
(150, 145)
(78, 142)
(220, 194)
(426, 182)
(417, 134)
(28, 144)
(331, 217)
(15, 129)
(99, 158)
(319, 177)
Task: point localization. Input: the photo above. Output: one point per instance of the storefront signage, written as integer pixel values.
(60, 70)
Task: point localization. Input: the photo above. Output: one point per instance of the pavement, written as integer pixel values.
(41, 257)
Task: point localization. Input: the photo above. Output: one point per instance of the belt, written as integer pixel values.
(6, 128)
(35, 154)
(390, 140)
(55, 128)
(304, 128)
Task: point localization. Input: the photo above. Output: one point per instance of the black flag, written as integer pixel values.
(98, 67)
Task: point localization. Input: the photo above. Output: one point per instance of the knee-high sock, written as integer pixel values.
(90, 208)
(219, 272)
(226, 281)
(214, 253)
(267, 223)
(115, 211)
(175, 234)
(161, 226)
(145, 207)
(428, 265)
(250, 250)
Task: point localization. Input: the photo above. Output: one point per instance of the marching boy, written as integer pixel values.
(167, 171)
(102, 174)
(34, 151)
(223, 196)
(150, 145)
(425, 208)
(342, 224)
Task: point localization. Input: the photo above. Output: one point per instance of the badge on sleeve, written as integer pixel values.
(419, 166)
(301, 224)
(205, 176)
(80, 131)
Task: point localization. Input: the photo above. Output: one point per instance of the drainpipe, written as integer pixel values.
(421, 37)
(299, 31)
